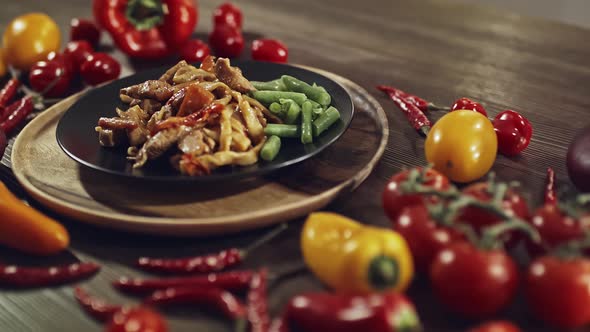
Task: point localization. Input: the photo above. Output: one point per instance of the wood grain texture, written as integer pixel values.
(68, 188)
(439, 49)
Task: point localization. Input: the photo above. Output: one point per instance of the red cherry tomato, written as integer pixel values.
(100, 68)
(51, 78)
(81, 29)
(270, 50)
(226, 41)
(195, 50)
(473, 282)
(468, 104)
(394, 200)
(228, 14)
(423, 235)
(137, 319)
(558, 291)
(555, 228)
(78, 51)
(514, 132)
(496, 326)
(513, 203)
(65, 58)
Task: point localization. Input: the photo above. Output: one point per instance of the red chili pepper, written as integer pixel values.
(206, 263)
(18, 276)
(422, 104)
(9, 91)
(221, 299)
(21, 110)
(550, 195)
(413, 113)
(189, 120)
(378, 312)
(95, 307)
(257, 303)
(234, 281)
(148, 29)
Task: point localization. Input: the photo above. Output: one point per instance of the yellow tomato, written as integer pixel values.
(2, 64)
(462, 145)
(29, 38)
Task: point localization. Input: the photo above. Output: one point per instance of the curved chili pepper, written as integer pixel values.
(22, 109)
(147, 29)
(9, 91)
(222, 300)
(422, 104)
(234, 281)
(95, 307)
(18, 276)
(414, 114)
(257, 303)
(550, 195)
(206, 263)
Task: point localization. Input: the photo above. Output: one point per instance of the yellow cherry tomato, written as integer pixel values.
(29, 38)
(462, 145)
(2, 64)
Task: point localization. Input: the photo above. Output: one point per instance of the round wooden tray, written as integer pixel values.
(59, 183)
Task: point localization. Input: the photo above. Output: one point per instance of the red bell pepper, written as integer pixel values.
(147, 29)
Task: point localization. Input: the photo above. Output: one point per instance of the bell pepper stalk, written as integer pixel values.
(147, 29)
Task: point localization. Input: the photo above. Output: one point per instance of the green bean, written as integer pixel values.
(316, 109)
(271, 148)
(306, 130)
(320, 87)
(269, 97)
(281, 130)
(291, 110)
(277, 109)
(314, 93)
(274, 85)
(330, 116)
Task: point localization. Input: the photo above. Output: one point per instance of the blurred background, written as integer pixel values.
(576, 12)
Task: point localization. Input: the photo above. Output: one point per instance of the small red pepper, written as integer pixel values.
(377, 312)
(22, 108)
(147, 29)
(29, 277)
(9, 91)
(422, 104)
(257, 303)
(222, 300)
(550, 194)
(206, 263)
(413, 113)
(95, 307)
(233, 281)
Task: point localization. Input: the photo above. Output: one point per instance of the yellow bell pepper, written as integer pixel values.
(352, 258)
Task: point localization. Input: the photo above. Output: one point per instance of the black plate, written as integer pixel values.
(76, 135)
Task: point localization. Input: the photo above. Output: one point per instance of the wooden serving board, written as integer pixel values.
(63, 185)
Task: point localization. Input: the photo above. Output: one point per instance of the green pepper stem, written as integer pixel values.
(144, 14)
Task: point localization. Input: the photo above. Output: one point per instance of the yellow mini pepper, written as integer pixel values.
(351, 257)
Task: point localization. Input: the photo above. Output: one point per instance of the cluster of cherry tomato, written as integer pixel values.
(472, 272)
(227, 40)
(54, 76)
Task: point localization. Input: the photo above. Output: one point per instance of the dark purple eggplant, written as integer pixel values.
(578, 160)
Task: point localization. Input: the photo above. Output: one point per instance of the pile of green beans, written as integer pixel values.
(305, 110)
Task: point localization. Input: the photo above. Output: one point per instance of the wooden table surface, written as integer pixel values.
(437, 49)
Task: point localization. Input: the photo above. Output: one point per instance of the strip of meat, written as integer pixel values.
(152, 89)
(194, 143)
(110, 137)
(116, 123)
(169, 74)
(159, 143)
(232, 76)
(191, 74)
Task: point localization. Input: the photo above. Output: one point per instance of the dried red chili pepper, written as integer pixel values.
(257, 303)
(28, 277)
(221, 299)
(413, 113)
(95, 307)
(22, 109)
(422, 104)
(233, 281)
(9, 91)
(206, 263)
(550, 194)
